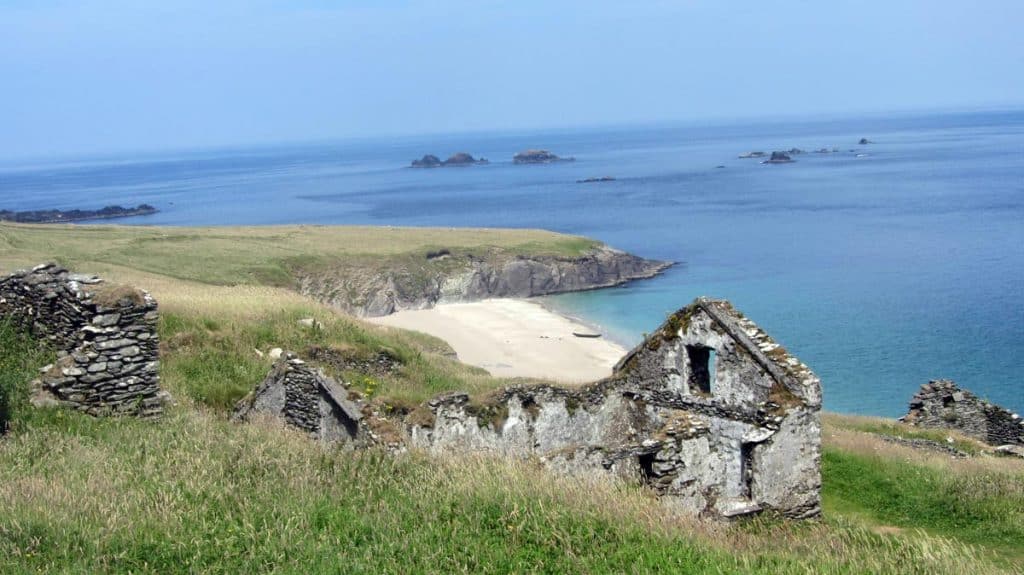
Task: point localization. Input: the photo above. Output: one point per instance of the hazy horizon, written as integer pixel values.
(94, 77)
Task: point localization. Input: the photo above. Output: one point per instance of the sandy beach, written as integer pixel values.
(514, 338)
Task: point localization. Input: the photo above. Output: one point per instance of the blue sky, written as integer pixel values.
(95, 76)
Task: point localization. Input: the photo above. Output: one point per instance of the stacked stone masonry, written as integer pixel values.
(105, 337)
(307, 400)
(942, 404)
(709, 412)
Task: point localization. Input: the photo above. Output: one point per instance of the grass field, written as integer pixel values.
(266, 255)
(196, 493)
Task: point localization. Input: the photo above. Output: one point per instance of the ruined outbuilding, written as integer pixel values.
(104, 335)
(307, 399)
(941, 404)
(709, 412)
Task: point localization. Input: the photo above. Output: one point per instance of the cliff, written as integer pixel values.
(453, 277)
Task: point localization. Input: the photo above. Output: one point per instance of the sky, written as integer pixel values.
(93, 76)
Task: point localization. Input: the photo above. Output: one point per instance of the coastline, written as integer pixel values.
(515, 338)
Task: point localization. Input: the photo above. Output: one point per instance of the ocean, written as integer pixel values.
(881, 266)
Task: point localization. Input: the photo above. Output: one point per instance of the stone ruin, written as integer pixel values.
(305, 398)
(941, 404)
(105, 337)
(709, 412)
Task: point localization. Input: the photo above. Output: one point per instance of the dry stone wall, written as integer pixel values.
(105, 337)
(942, 404)
(306, 399)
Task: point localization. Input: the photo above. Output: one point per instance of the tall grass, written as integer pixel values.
(20, 356)
(984, 508)
(194, 493)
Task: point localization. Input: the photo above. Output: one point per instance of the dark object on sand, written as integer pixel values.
(585, 334)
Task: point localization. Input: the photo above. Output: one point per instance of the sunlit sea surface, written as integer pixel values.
(881, 266)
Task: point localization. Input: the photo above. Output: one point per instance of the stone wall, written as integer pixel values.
(942, 404)
(105, 337)
(305, 399)
(709, 412)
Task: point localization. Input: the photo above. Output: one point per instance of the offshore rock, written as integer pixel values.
(59, 216)
(778, 158)
(427, 161)
(538, 157)
(463, 159)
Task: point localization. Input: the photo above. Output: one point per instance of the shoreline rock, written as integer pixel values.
(60, 216)
(463, 277)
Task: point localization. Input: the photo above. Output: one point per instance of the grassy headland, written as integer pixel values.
(196, 493)
(268, 255)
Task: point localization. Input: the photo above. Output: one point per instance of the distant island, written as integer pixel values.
(458, 159)
(538, 157)
(59, 216)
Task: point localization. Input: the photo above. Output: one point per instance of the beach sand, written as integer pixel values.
(514, 338)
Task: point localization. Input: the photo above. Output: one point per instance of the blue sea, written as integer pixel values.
(881, 266)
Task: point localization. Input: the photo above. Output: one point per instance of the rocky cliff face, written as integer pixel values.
(467, 279)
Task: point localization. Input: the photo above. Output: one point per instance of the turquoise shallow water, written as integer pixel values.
(880, 271)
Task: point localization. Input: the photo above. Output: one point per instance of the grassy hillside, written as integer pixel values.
(267, 255)
(196, 493)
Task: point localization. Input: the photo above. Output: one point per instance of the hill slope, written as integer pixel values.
(195, 492)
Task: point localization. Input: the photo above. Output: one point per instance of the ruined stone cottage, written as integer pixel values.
(942, 404)
(105, 337)
(709, 412)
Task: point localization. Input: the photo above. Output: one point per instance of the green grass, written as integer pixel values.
(269, 255)
(196, 493)
(984, 508)
(893, 428)
(20, 356)
(214, 361)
